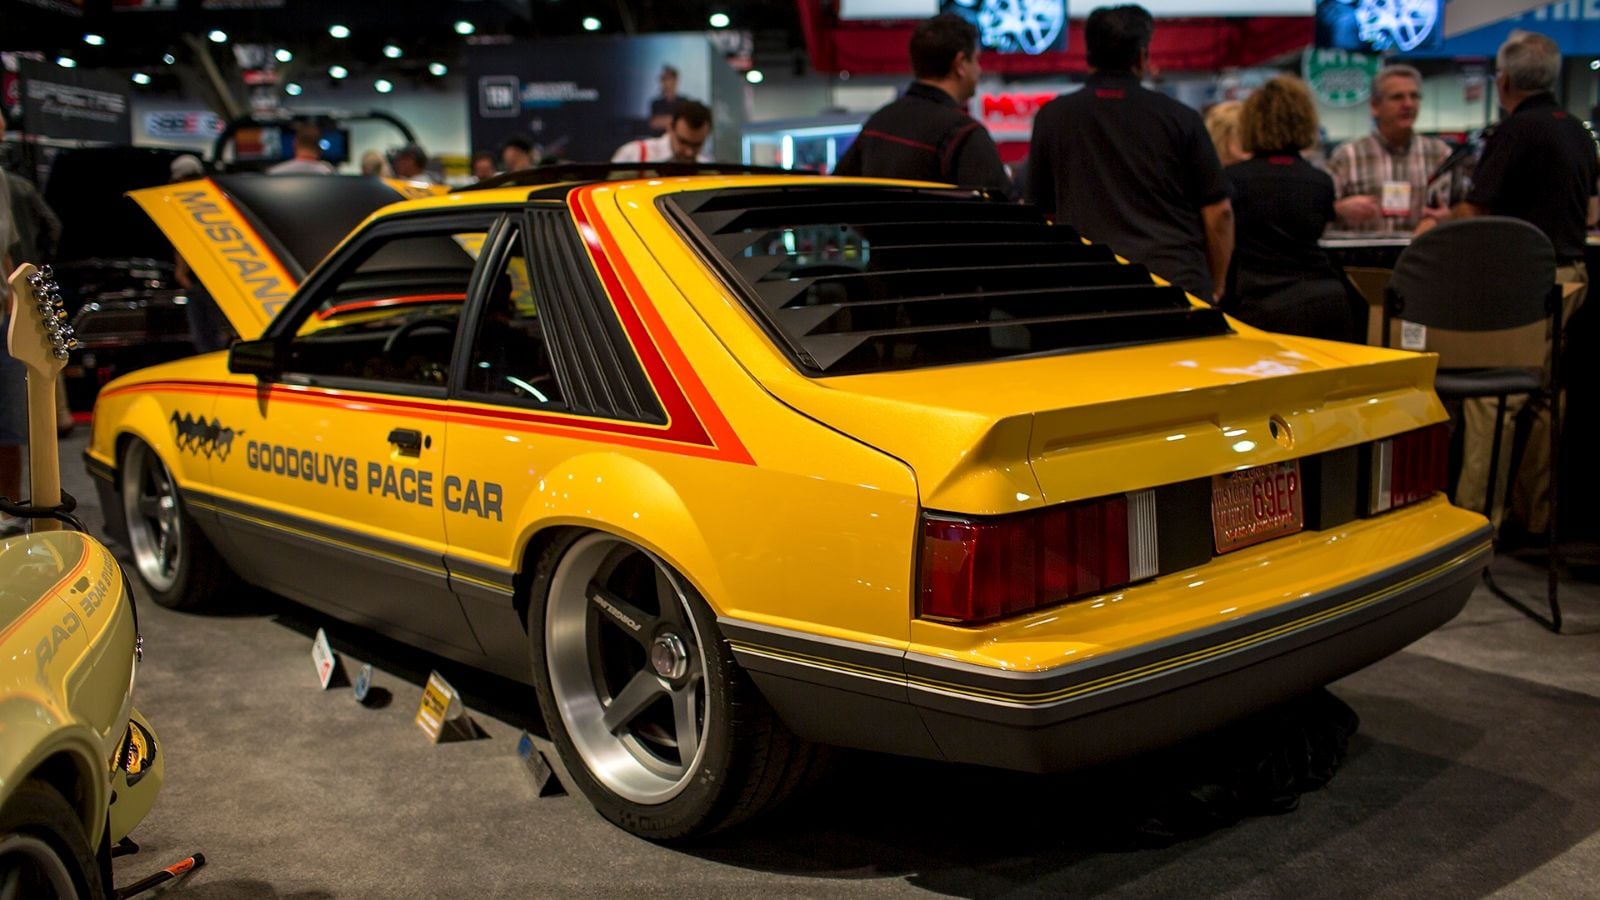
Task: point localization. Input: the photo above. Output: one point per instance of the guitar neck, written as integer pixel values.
(44, 463)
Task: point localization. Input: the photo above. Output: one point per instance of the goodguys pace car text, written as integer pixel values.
(402, 483)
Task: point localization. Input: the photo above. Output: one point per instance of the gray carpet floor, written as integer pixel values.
(1476, 771)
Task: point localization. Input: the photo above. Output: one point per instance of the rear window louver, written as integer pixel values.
(852, 278)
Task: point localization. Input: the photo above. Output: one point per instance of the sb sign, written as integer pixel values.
(1012, 110)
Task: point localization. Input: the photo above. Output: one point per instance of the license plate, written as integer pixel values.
(1256, 505)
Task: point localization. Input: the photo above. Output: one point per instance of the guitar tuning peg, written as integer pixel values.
(46, 272)
(61, 353)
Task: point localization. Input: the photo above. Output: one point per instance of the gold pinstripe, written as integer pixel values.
(1119, 678)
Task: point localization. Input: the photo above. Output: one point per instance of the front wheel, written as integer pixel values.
(43, 851)
(657, 724)
(176, 562)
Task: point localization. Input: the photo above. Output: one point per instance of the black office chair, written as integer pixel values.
(1488, 274)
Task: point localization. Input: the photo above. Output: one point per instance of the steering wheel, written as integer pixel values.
(397, 351)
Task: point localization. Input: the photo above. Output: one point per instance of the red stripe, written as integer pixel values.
(695, 425)
(882, 135)
(343, 308)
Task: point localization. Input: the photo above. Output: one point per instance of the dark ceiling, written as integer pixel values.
(137, 38)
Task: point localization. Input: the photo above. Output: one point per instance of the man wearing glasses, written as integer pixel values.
(684, 140)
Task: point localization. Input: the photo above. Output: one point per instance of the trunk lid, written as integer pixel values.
(999, 437)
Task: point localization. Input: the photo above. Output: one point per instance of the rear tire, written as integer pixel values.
(659, 727)
(43, 850)
(176, 562)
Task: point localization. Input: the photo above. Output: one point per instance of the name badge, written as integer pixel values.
(1396, 199)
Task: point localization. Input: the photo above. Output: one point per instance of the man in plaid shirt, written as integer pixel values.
(1381, 180)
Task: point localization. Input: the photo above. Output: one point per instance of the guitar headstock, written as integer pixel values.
(39, 336)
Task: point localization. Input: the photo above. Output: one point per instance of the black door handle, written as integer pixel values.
(406, 439)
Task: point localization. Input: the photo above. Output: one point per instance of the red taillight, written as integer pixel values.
(1409, 467)
(976, 571)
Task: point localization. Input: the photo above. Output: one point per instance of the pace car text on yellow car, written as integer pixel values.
(729, 467)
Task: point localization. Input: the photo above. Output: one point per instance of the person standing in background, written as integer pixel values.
(1222, 123)
(307, 154)
(517, 153)
(1282, 281)
(1382, 178)
(663, 104)
(1133, 167)
(1538, 166)
(483, 167)
(373, 163)
(927, 135)
(411, 164)
(683, 142)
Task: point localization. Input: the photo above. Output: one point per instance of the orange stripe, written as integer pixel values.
(49, 595)
(704, 406)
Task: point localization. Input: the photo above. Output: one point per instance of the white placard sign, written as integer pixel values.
(322, 657)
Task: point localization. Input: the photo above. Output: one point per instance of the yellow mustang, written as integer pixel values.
(744, 465)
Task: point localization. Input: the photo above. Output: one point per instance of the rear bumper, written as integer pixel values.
(1124, 703)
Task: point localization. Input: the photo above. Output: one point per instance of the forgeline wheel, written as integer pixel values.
(657, 724)
(176, 562)
(43, 851)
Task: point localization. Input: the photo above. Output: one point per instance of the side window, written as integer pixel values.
(509, 358)
(391, 317)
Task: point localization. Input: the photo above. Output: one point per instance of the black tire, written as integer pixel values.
(745, 761)
(43, 850)
(178, 565)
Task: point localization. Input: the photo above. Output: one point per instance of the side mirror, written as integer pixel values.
(254, 358)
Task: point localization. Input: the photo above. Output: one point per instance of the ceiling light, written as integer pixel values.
(94, 40)
(66, 62)
(217, 36)
(590, 23)
(719, 20)
(141, 78)
(282, 55)
(465, 27)
(337, 71)
(339, 31)
(754, 76)
(168, 58)
(1594, 64)
(293, 89)
(437, 69)
(383, 85)
(392, 51)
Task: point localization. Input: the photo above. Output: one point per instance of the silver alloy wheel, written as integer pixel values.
(155, 518)
(30, 867)
(627, 667)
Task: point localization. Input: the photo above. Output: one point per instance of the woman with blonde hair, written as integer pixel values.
(1222, 123)
(1281, 280)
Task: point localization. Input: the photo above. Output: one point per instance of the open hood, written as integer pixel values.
(251, 239)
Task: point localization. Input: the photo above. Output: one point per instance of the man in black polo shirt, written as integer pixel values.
(926, 135)
(1539, 166)
(1132, 167)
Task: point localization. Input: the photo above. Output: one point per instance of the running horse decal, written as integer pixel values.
(196, 435)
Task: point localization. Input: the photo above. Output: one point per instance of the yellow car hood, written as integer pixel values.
(251, 239)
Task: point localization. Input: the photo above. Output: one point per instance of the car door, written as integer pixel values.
(338, 494)
(545, 374)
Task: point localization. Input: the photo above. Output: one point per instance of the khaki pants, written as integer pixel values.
(1530, 491)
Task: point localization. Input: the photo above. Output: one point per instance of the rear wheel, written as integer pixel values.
(657, 724)
(176, 562)
(43, 851)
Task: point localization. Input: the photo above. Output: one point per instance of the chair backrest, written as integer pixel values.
(1478, 274)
